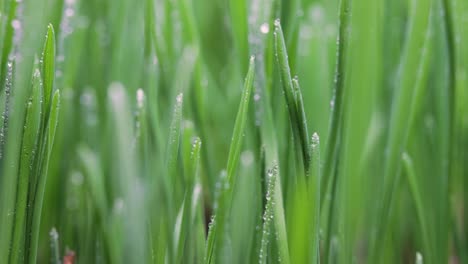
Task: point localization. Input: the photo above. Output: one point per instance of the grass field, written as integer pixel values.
(233, 131)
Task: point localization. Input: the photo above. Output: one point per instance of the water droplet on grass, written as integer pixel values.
(265, 28)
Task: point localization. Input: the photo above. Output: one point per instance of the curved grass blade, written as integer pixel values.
(218, 222)
(26, 174)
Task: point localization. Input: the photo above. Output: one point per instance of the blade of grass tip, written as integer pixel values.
(42, 177)
(339, 92)
(419, 258)
(314, 198)
(412, 64)
(268, 214)
(171, 164)
(94, 177)
(288, 90)
(187, 220)
(302, 119)
(217, 223)
(418, 202)
(28, 154)
(48, 67)
(54, 246)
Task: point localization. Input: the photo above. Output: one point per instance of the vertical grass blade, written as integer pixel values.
(215, 236)
(418, 202)
(268, 214)
(314, 199)
(26, 174)
(187, 224)
(290, 95)
(42, 177)
(412, 64)
(48, 67)
(54, 246)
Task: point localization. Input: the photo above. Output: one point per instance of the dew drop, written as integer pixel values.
(265, 28)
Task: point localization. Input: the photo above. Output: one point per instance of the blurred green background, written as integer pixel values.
(114, 196)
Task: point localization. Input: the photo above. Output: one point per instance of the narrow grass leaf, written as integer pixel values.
(26, 174)
(54, 246)
(215, 236)
(418, 202)
(42, 178)
(302, 148)
(48, 67)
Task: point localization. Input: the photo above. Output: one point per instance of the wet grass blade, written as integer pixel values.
(314, 199)
(48, 67)
(215, 236)
(290, 94)
(29, 152)
(268, 215)
(42, 177)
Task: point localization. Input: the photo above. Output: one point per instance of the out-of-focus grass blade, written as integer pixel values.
(42, 177)
(54, 246)
(48, 67)
(187, 219)
(412, 65)
(94, 179)
(28, 154)
(418, 202)
(238, 11)
(215, 236)
(174, 135)
(419, 258)
(171, 162)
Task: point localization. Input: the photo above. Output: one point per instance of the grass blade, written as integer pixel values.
(413, 64)
(48, 67)
(26, 174)
(291, 99)
(420, 208)
(42, 177)
(54, 246)
(218, 222)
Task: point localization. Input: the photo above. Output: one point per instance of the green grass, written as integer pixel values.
(140, 131)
